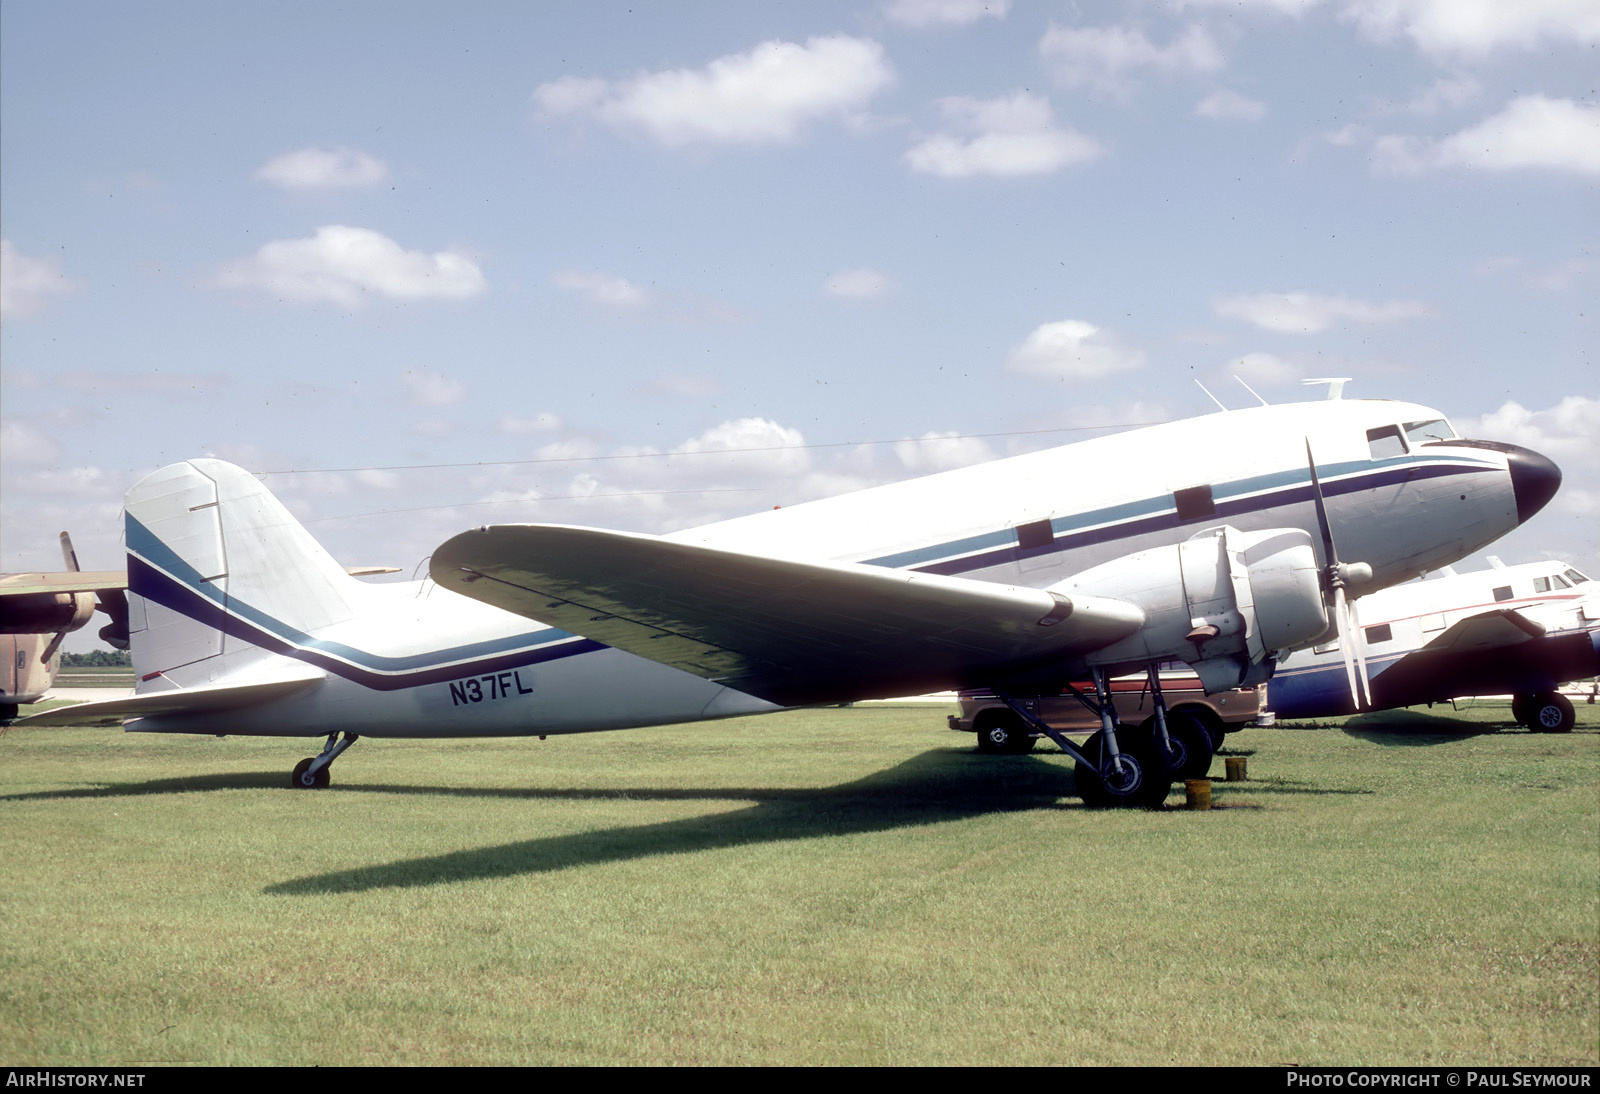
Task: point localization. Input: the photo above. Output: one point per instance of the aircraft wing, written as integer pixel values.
(786, 630)
(1505, 627)
(66, 581)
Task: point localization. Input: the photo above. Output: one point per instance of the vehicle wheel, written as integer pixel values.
(1192, 747)
(302, 779)
(1552, 713)
(1141, 779)
(1003, 732)
(1522, 707)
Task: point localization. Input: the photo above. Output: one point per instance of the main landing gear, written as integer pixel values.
(1118, 766)
(312, 772)
(1547, 712)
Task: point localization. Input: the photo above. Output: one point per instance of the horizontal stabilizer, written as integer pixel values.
(789, 631)
(202, 700)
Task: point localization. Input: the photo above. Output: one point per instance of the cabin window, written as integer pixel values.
(1542, 584)
(1035, 534)
(1503, 593)
(1385, 442)
(1436, 430)
(1380, 633)
(1195, 503)
(1560, 582)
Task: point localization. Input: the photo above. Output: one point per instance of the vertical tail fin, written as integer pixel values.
(220, 574)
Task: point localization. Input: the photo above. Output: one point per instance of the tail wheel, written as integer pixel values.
(1552, 713)
(1138, 778)
(303, 778)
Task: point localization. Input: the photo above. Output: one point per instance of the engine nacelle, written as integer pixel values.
(45, 613)
(1223, 601)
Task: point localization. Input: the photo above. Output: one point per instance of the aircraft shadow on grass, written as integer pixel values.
(935, 787)
(1415, 728)
(938, 786)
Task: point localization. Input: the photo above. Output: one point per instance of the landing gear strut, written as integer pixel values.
(1115, 767)
(312, 772)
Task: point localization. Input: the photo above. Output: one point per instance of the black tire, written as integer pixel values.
(1002, 732)
(302, 780)
(1142, 779)
(1552, 713)
(1192, 747)
(1522, 707)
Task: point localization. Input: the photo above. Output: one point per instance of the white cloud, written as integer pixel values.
(323, 168)
(27, 284)
(1005, 138)
(933, 452)
(1532, 132)
(928, 13)
(858, 284)
(432, 388)
(347, 265)
(1308, 313)
(1108, 57)
(1230, 106)
(765, 95)
(22, 442)
(1474, 28)
(1075, 350)
(1564, 432)
(605, 289)
(1262, 368)
(543, 422)
(777, 448)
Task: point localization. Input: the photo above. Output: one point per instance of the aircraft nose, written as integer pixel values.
(1534, 480)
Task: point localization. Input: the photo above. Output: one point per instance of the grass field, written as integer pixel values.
(829, 886)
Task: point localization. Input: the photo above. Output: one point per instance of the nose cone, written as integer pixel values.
(1534, 480)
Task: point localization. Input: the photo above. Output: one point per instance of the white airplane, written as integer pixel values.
(1210, 540)
(1518, 630)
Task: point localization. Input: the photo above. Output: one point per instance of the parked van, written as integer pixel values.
(1000, 730)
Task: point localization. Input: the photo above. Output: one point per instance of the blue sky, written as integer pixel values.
(653, 251)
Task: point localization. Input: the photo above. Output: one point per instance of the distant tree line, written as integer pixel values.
(97, 659)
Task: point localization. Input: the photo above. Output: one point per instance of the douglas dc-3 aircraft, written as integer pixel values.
(1216, 541)
(1517, 630)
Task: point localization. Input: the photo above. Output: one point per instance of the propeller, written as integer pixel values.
(1336, 576)
(70, 558)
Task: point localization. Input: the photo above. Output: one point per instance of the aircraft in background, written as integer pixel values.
(1215, 541)
(39, 610)
(1518, 630)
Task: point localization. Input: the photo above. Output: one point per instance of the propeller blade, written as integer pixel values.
(68, 555)
(1341, 613)
(1360, 650)
(1330, 556)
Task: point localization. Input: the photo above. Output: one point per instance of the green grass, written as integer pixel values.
(830, 886)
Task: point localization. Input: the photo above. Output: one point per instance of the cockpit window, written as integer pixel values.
(1560, 582)
(1436, 429)
(1575, 577)
(1385, 442)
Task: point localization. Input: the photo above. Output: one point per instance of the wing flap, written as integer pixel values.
(790, 631)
